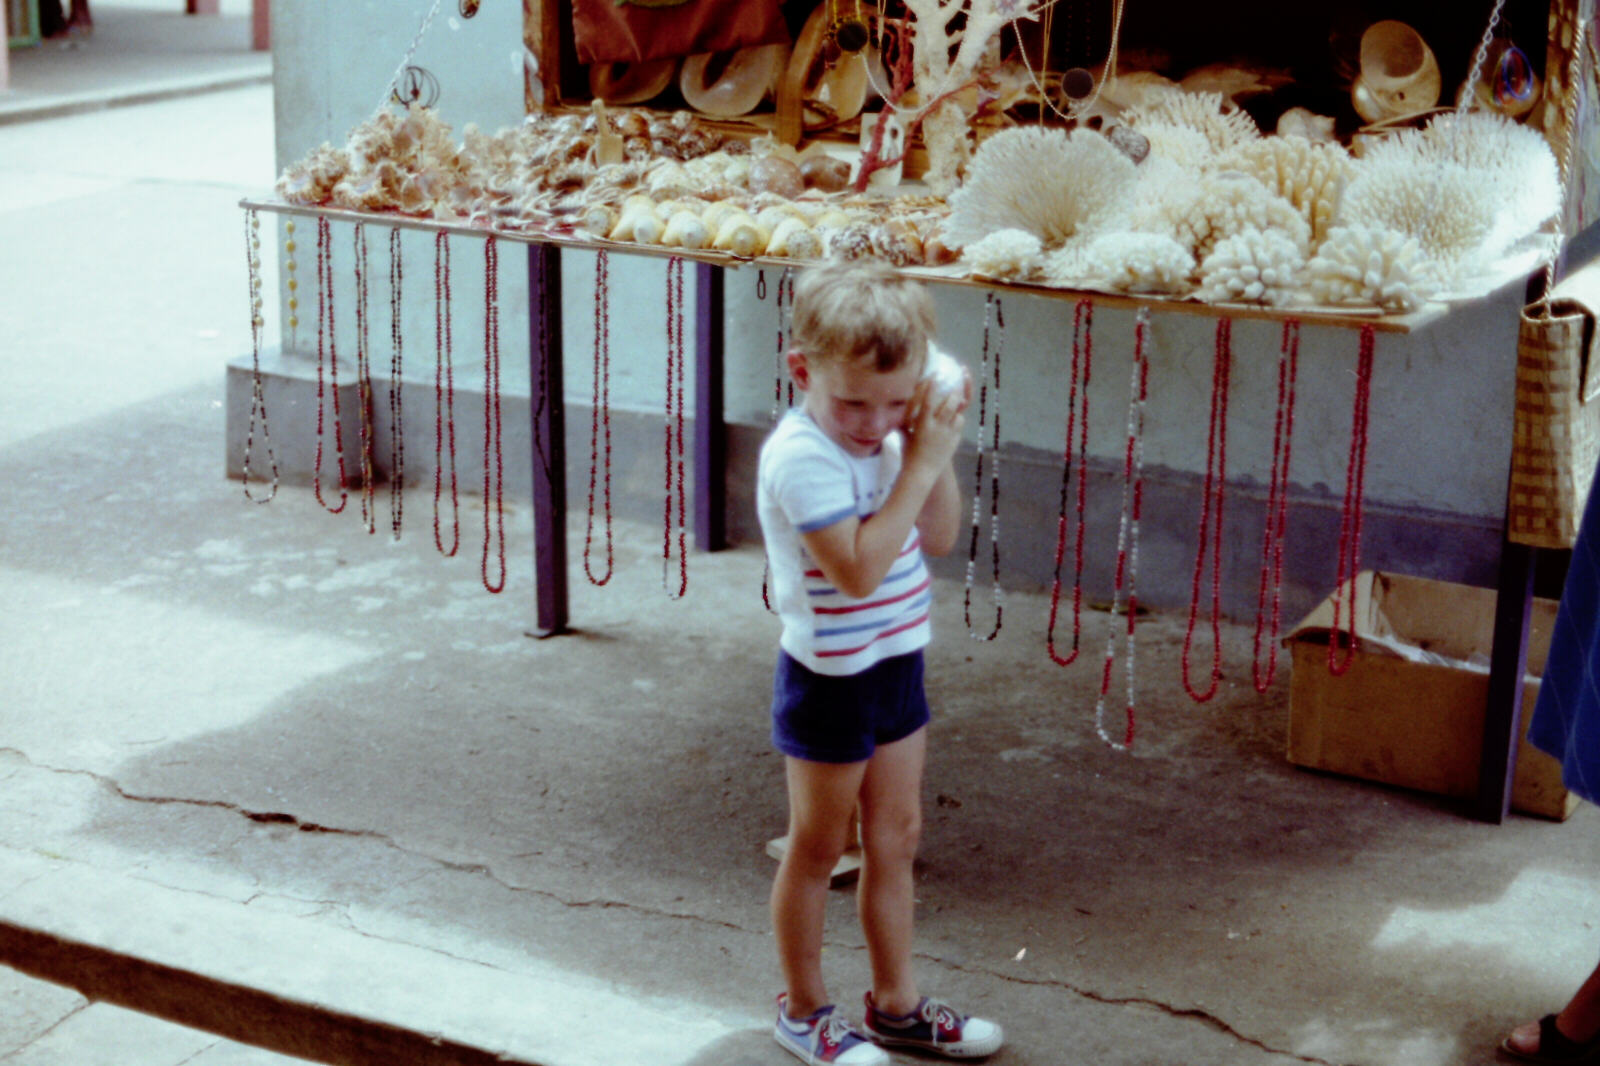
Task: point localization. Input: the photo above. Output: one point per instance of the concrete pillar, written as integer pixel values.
(261, 25)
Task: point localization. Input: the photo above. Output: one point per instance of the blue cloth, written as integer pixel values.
(1566, 720)
(826, 718)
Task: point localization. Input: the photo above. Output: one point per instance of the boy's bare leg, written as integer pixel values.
(821, 797)
(891, 824)
(1579, 1020)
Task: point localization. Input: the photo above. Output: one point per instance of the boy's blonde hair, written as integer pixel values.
(851, 309)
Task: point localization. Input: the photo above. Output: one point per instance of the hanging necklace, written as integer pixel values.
(1350, 516)
(987, 376)
(674, 436)
(600, 416)
(327, 353)
(289, 265)
(1276, 526)
(785, 288)
(397, 438)
(1128, 539)
(444, 397)
(258, 400)
(1087, 88)
(1211, 498)
(1077, 419)
(364, 378)
(494, 475)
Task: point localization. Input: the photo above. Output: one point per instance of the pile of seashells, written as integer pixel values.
(627, 175)
(1205, 208)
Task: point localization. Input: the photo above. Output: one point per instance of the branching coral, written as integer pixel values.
(1141, 262)
(952, 39)
(1222, 123)
(1251, 266)
(1045, 181)
(1359, 264)
(1199, 214)
(1007, 253)
(1310, 176)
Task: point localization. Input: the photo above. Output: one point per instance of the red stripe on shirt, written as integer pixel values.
(927, 582)
(886, 633)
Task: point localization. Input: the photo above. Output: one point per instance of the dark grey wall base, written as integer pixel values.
(1434, 544)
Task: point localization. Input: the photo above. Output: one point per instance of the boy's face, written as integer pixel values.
(856, 404)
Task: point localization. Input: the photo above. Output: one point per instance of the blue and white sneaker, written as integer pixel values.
(934, 1027)
(825, 1039)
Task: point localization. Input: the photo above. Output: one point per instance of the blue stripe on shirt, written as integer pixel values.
(918, 604)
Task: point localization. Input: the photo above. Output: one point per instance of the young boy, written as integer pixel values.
(854, 486)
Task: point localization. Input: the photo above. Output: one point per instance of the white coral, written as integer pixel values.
(1359, 264)
(1310, 176)
(1466, 187)
(1222, 122)
(1200, 213)
(1045, 181)
(1007, 253)
(1251, 266)
(1141, 262)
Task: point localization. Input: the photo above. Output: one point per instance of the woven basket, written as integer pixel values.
(1556, 434)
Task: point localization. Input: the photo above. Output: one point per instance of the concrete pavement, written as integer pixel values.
(314, 789)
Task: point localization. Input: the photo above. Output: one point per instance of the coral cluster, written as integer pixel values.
(1141, 262)
(1048, 182)
(1362, 265)
(1310, 176)
(1251, 266)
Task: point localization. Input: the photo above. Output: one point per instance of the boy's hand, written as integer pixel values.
(933, 425)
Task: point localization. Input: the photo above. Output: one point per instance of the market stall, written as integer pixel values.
(1369, 179)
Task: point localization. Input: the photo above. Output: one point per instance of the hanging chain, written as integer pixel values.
(988, 375)
(1128, 540)
(600, 418)
(675, 476)
(1276, 526)
(444, 397)
(327, 353)
(1350, 516)
(397, 437)
(364, 378)
(494, 475)
(399, 72)
(258, 400)
(1210, 535)
(1077, 420)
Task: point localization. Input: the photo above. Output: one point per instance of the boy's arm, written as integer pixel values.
(856, 555)
(940, 520)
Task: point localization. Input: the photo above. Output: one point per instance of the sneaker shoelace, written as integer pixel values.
(835, 1030)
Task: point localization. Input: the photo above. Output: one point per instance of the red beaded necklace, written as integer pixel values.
(444, 397)
(988, 373)
(327, 356)
(1210, 534)
(397, 439)
(600, 418)
(1276, 526)
(258, 400)
(1350, 516)
(1128, 539)
(1077, 420)
(364, 378)
(494, 512)
(675, 477)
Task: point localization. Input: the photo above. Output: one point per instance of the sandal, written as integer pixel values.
(1555, 1046)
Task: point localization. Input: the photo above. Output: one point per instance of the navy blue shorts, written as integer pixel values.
(821, 718)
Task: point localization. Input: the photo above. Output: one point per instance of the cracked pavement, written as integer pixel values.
(269, 717)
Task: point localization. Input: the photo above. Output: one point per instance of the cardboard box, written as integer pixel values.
(1410, 709)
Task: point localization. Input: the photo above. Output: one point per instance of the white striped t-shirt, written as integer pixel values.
(807, 482)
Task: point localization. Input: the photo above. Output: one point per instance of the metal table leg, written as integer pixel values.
(710, 434)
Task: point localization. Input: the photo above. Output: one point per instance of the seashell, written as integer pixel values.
(853, 241)
(898, 241)
(742, 82)
(638, 149)
(668, 179)
(1399, 74)
(1130, 142)
(775, 174)
(739, 234)
(1299, 122)
(772, 216)
(935, 250)
(825, 172)
(598, 219)
(718, 212)
(794, 239)
(640, 223)
(685, 229)
(631, 83)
